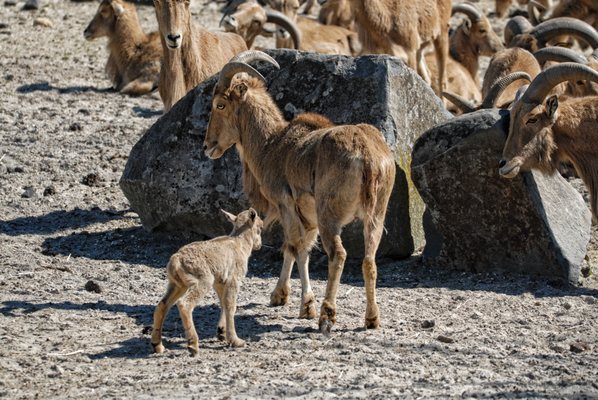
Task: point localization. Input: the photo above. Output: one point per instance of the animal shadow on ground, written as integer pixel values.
(58, 220)
(205, 318)
(146, 112)
(46, 87)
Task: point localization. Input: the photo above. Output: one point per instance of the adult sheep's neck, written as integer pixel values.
(191, 56)
(127, 36)
(261, 127)
(467, 56)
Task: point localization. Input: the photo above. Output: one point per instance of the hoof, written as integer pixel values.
(372, 323)
(308, 308)
(279, 297)
(193, 351)
(325, 326)
(221, 335)
(158, 348)
(237, 342)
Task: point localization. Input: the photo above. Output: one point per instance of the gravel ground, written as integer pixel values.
(79, 277)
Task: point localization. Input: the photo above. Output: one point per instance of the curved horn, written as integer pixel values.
(535, 11)
(500, 86)
(566, 26)
(285, 22)
(468, 9)
(552, 76)
(595, 55)
(560, 54)
(516, 26)
(230, 8)
(239, 63)
(464, 105)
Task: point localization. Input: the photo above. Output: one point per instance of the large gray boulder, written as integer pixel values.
(478, 221)
(172, 185)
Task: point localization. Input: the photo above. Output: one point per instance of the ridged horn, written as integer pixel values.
(552, 76)
(535, 10)
(463, 104)
(239, 63)
(516, 26)
(500, 86)
(559, 54)
(595, 55)
(468, 9)
(566, 26)
(285, 22)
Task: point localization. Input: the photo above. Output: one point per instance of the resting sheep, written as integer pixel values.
(191, 53)
(546, 131)
(316, 177)
(220, 263)
(134, 57)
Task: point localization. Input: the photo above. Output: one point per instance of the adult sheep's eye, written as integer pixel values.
(532, 121)
(220, 106)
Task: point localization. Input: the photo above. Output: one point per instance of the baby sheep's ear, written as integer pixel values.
(252, 214)
(231, 217)
(118, 8)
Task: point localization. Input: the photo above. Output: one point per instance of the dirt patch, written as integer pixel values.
(65, 137)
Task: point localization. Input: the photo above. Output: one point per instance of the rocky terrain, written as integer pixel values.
(79, 277)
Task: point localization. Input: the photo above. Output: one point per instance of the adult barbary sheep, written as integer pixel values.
(384, 24)
(544, 132)
(220, 263)
(134, 57)
(191, 53)
(315, 176)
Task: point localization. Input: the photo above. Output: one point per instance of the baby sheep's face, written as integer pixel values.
(247, 220)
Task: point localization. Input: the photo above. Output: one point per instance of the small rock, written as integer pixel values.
(146, 330)
(91, 179)
(579, 347)
(428, 324)
(3, 25)
(557, 348)
(8, 77)
(589, 299)
(28, 193)
(10, 3)
(15, 169)
(31, 5)
(49, 191)
(586, 270)
(43, 22)
(92, 286)
(445, 339)
(567, 306)
(75, 127)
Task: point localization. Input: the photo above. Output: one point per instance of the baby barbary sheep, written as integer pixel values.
(220, 263)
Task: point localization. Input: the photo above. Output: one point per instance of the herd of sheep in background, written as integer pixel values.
(314, 177)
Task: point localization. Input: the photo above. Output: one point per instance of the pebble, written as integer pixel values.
(90, 179)
(49, 191)
(28, 193)
(43, 22)
(445, 339)
(10, 3)
(92, 286)
(428, 324)
(579, 347)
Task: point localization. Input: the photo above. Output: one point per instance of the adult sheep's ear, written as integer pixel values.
(117, 7)
(552, 104)
(467, 26)
(231, 217)
(240, 89)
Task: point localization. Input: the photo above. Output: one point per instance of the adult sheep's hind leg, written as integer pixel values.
(308, 300)
(331, 241)
(280, 294)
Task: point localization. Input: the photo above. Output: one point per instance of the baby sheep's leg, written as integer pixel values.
(138, 87)
(219, 288)
(173, 293)
(186, 312)
(229, 306)
(308, 300)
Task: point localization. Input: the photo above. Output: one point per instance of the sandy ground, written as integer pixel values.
(65, 138)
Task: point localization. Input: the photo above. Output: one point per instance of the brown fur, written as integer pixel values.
(502, 6)
(200, 54)
(220, 263)
(569, 135)
(383, 24)
(504, 63)
(317, 177)
(134, 57)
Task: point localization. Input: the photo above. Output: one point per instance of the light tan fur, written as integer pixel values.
(191, 53)
(337, 12)
(504, 63)
(410, 24)
(502, 6)
(316, 177)
(134, 57)
(220, 263)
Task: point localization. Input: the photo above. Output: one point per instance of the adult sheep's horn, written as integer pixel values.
(287, 24)
(535, 11)
(464, 105)
(552, 76)
(468, 9)
(500, 86)
(566, 26)
(516, 26)
(239, 63)
(230, 8)
(559, 54)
